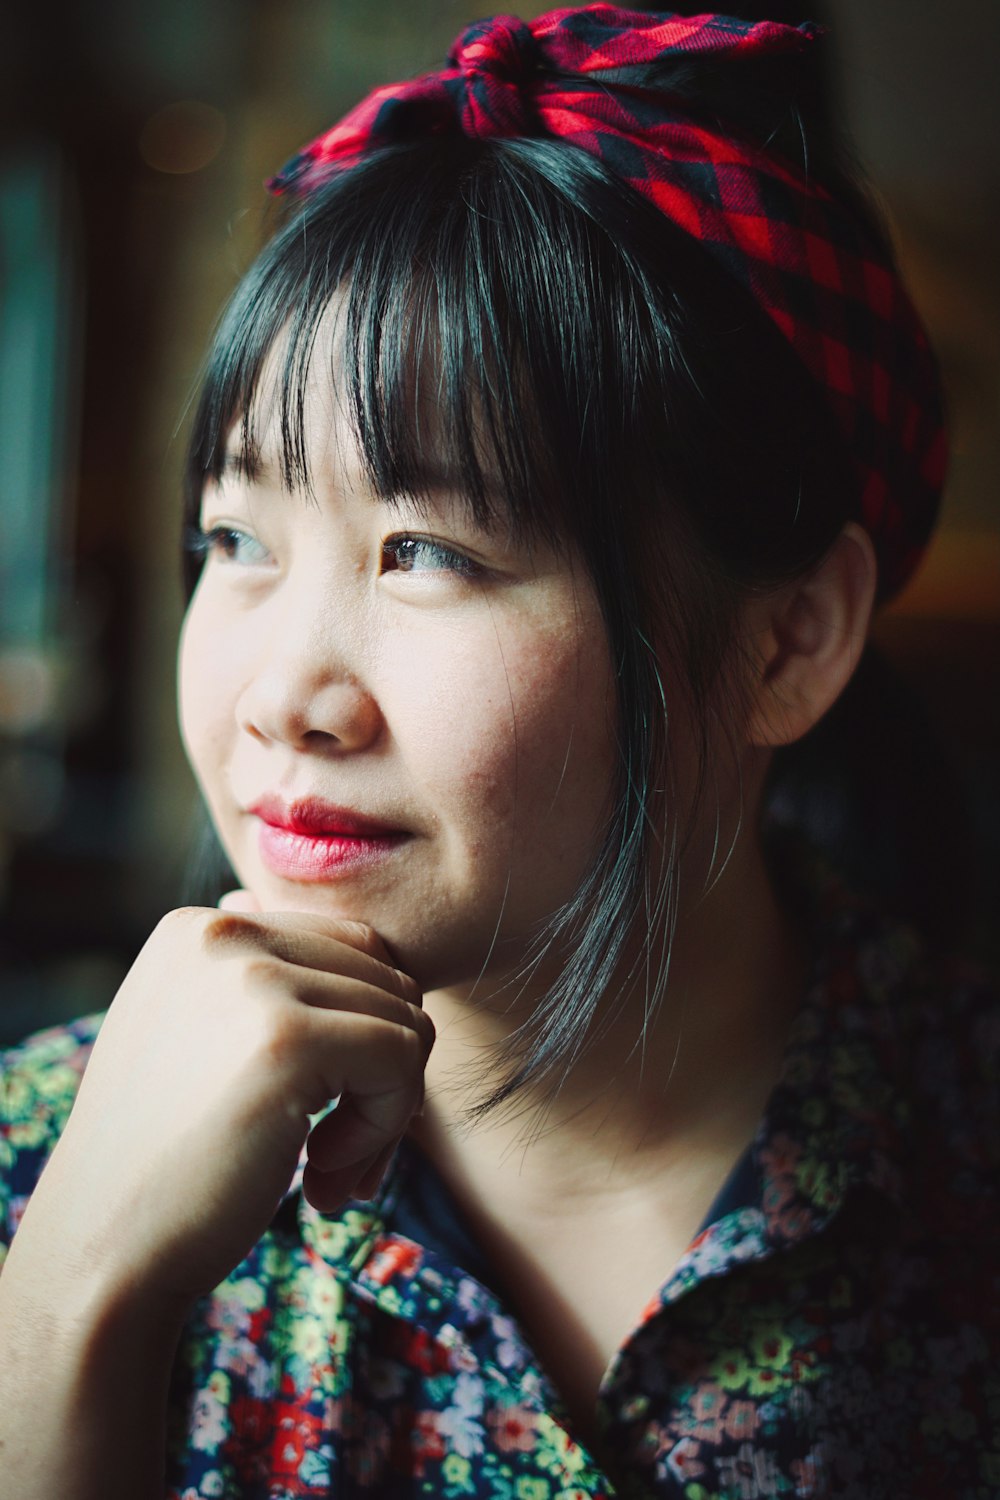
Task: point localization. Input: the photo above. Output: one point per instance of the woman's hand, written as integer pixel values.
(230, 1030)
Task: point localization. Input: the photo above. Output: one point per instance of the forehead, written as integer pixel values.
(293, 424)
(307, 424)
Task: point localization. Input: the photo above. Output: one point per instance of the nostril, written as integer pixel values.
(304, 700)
(319, 739)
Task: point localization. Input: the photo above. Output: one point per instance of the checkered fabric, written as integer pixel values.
(809, 263)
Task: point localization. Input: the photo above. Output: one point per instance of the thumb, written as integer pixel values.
(239, 901)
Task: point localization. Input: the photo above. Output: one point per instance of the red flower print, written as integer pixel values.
(295, 1432)
(426, 1442)
(252, 1418)
(393, 1257)
(683, 1461)
(415, 1348)
(513, 1428)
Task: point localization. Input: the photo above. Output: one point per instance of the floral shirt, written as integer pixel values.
(835, 1331)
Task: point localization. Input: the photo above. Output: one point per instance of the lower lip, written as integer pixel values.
(313, 856)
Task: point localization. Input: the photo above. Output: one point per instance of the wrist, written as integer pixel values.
(84, 1383)
(51, 1290)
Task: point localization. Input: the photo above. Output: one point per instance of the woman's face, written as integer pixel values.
(393, 716)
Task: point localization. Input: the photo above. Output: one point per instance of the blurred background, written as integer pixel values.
(134, 141)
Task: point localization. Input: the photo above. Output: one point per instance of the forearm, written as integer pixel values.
(84, 1378)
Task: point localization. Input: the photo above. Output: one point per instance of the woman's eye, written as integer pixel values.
(419, 554)
(228, 543)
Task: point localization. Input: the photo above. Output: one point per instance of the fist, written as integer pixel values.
(232, 1028)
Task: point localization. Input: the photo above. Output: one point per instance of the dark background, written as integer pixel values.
(134, 140)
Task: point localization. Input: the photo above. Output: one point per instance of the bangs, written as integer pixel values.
(472, 349)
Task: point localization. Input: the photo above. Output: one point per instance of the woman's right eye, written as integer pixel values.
(229, 544)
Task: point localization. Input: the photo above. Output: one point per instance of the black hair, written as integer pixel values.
(599, 373)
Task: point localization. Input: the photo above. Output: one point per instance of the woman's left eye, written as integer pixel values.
(419, 554)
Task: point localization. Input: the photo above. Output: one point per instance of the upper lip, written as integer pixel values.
(313, 815)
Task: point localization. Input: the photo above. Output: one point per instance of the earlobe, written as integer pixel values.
(808, 638)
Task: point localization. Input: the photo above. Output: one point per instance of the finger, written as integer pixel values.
(313, 942)
(371, 1180)
(345, 1137)
(239, 901)
(380, 1074)
(357, 935)
(329, 1191)
(355, 996)
(327, 1180)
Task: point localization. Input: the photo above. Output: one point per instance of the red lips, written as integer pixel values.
(311, 840)
(311, 815)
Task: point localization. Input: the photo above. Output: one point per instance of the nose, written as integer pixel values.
(305, 694)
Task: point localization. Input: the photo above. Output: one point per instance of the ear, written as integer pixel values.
(807, 639)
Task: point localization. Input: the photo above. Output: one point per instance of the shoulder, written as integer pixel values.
(39, 1079)
(933, 1017)
(901, 1046)
(950, 1009)
(927, 1026)
(947, 1025)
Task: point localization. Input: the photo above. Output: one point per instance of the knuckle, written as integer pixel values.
(410, 1021)
(359, 935)
(408, 988)
(277, 1037)
(181, 916)
(426, 1031)
(229, 929)
(176, 930)
(413, 1050)
(264, 974)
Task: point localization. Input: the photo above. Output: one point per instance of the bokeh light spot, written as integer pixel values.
(182, 137)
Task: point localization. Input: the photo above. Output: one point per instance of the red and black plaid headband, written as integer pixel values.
(810, 264)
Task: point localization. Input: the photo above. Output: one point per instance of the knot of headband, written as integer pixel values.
(809, 262)
(493, 61)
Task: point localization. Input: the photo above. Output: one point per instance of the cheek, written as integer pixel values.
(565, 753)
(453, 722)
(514, 736)
(204, 693)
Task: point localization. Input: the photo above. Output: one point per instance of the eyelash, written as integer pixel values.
(217, 539)
(456, 562)
(399, 550)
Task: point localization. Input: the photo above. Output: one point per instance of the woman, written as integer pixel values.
(548, 467)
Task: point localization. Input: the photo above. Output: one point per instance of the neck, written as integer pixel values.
(697, 1081)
